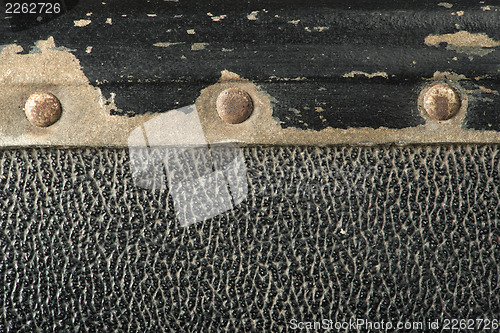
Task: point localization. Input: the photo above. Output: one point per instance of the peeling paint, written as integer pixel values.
(368, 75)
(319, 29)
(198, 46)
(479, 94)
(151, 15)
(485, 8)
(445, 4)
(190, 31)
(89, 49)
(444, 76)
(464, 42)
(167, 44)
(253, 15)
(216, 18)
(87, 110)
(109, 21)
(286, 79)
(82, 23)
(489, 91)
(85, 119)
(263, 128)
(294, 22)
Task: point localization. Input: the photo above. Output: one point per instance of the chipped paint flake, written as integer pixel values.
(82, 23)
(167, 44)
(443, 76)
(321, 29)
(218, 18)
(318, 29)
(198, 46)
(445, 4)
(489, 91)
(190, 31)
(464, 42)
(253, 15)
(89, 49)
(109, 21)
(226, 75)
(485, 8)
(294, 22)
(368, 75)
(152, 15)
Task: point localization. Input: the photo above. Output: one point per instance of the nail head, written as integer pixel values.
(42, 109)
(234, 105)
(441, 101)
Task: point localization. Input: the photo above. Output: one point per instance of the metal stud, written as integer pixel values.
(42, 109)
(441, 101)
(234, 105)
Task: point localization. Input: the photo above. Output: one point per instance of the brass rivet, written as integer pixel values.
(234, 105)
(441, 101)
(42, 109)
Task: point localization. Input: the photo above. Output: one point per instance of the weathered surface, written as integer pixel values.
(351, 64)
(85, 118)
(377, 233)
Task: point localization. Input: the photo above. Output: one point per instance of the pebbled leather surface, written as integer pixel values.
(324, 233)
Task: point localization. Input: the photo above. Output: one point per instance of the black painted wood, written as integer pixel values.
(299, 52)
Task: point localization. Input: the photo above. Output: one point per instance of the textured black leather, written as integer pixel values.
(324, 233)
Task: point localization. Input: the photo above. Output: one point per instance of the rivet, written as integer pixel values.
(42, 109)
(441, 101)
(234, 105)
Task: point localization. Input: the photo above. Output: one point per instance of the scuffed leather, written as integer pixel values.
(324, 233)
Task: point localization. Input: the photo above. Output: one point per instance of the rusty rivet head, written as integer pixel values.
(234, 105)
(42, 109)
(441, 101)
